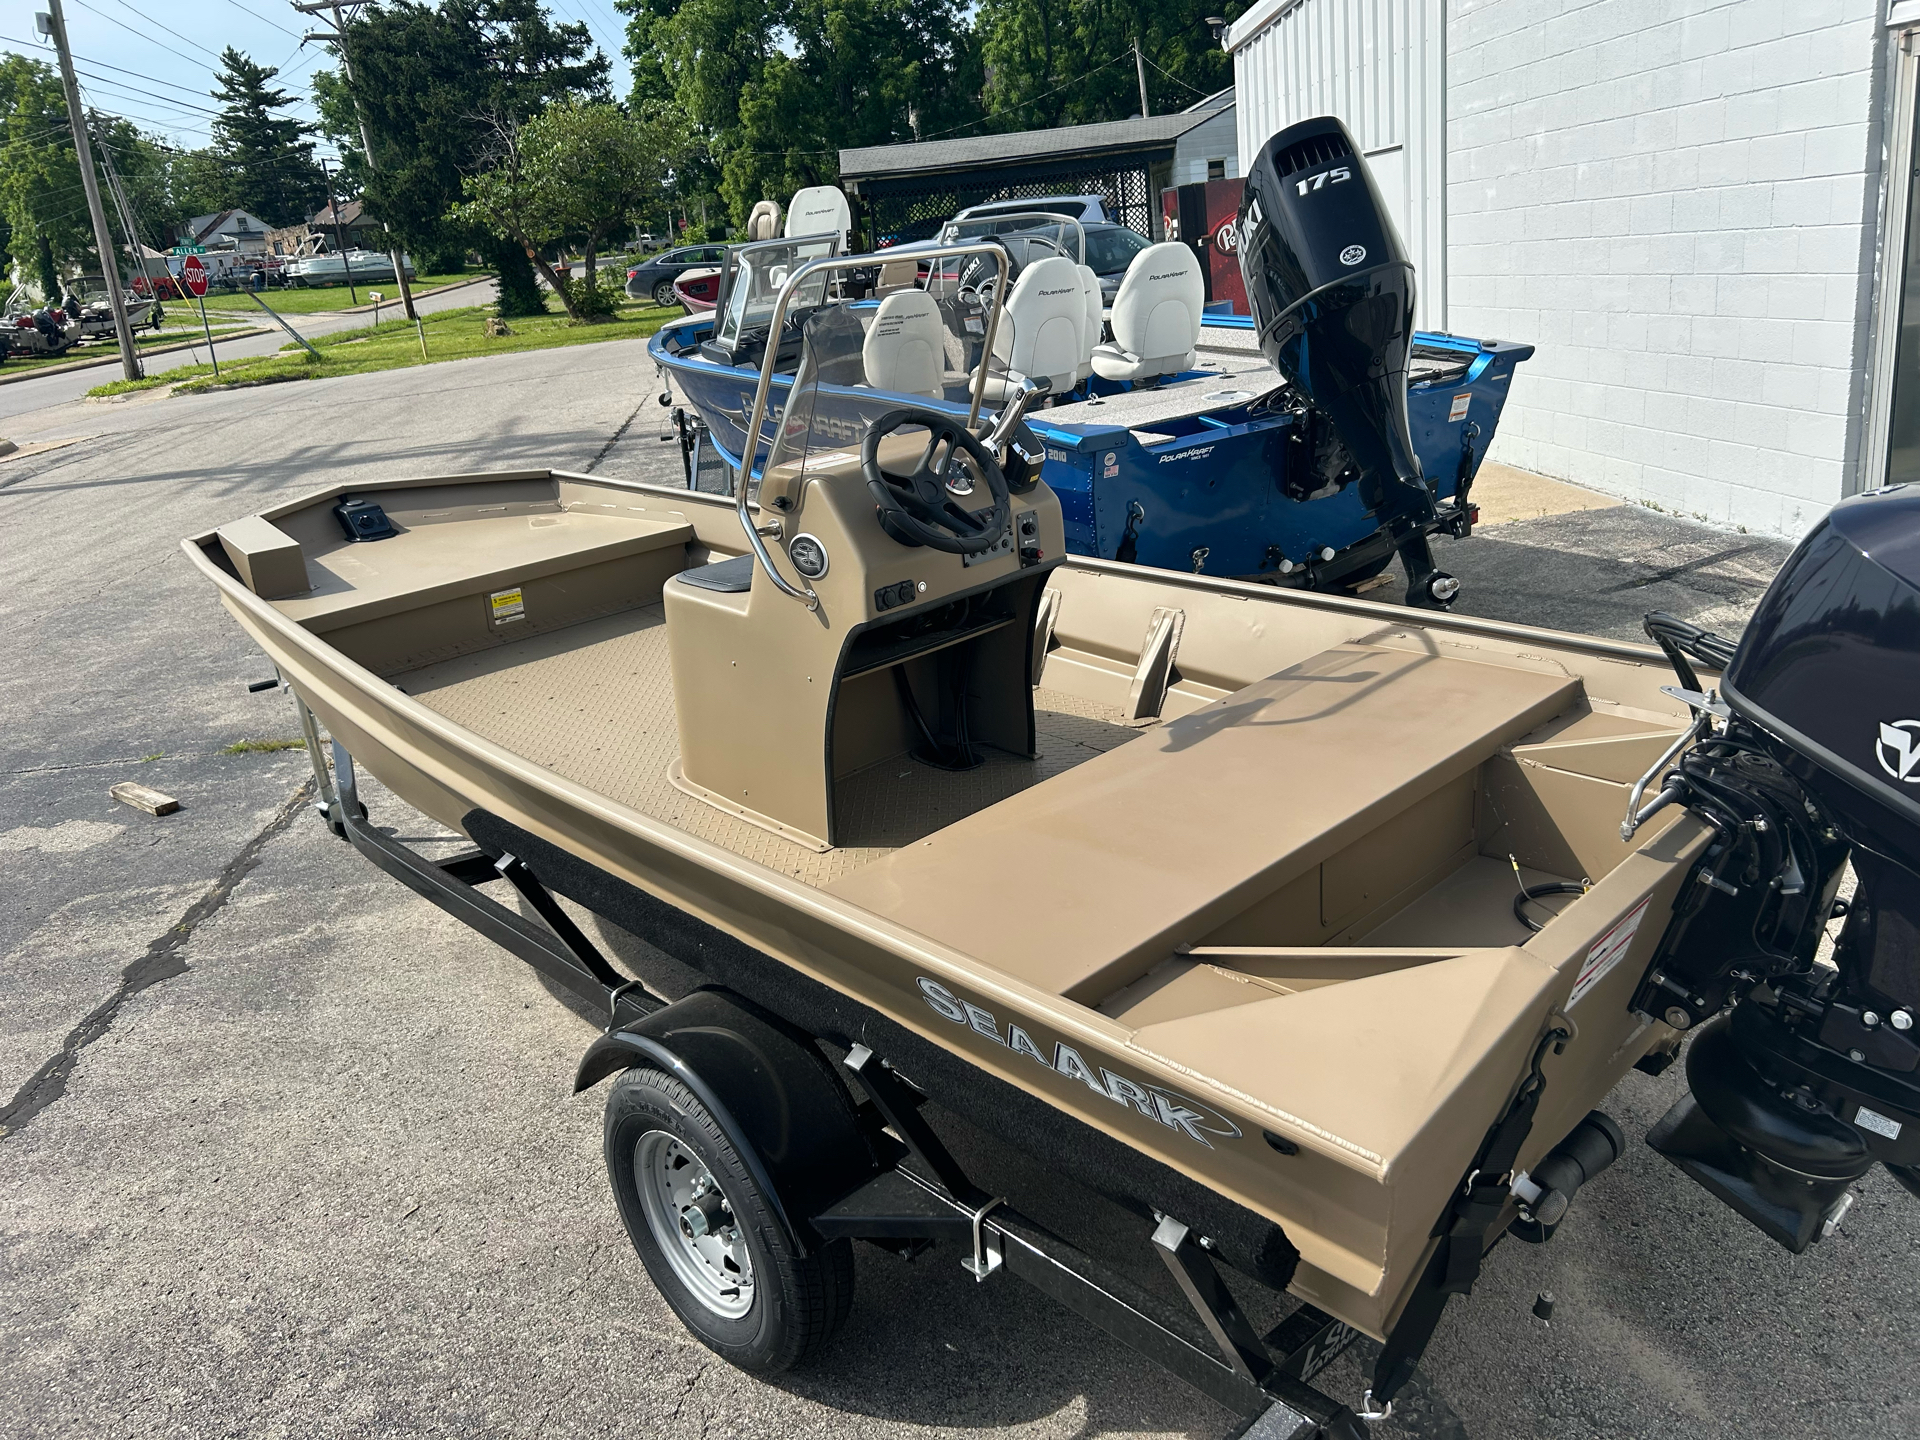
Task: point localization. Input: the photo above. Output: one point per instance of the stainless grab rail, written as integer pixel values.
(751, 446)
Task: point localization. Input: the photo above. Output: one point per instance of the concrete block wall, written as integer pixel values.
(1675, 200)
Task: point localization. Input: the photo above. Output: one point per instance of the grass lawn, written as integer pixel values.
(393, 345)
(302, 300)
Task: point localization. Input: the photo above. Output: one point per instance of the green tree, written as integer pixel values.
(40, 187)
(770, 92)
(577, 170)
(505, 200)
(1070, 62)
(273, 173)
(596, 166)
(431, 81)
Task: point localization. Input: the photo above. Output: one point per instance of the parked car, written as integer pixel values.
(911, 232)
(653, 278)
(1110, 247)
(1110, 250)
(1085, 208)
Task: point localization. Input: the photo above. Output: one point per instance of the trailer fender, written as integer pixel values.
(773, 1094)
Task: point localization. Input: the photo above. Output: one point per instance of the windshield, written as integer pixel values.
(758, 272)
(1109, 252)
(1074, 208)
(912, 342)
(1049, 232)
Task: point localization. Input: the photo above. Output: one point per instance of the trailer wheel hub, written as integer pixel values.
(693, 1224)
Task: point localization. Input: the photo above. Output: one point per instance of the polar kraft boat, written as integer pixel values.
(1200, 448)
(1202, 891)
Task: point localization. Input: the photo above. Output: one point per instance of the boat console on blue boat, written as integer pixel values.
(1175, 436)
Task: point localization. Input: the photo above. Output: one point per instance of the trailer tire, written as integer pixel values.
(795, 1302)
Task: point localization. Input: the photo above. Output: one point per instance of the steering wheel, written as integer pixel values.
(918, 508)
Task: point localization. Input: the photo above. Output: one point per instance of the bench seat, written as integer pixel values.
(354, 583)
(1079, 884)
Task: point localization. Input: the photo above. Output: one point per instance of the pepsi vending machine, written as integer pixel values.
(1202, 216)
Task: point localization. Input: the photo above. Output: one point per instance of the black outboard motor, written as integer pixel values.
(1814, 1073)
(1332, 296)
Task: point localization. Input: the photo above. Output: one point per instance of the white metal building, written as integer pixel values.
(1697, 209)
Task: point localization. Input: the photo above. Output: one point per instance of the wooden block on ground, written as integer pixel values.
(142, 797)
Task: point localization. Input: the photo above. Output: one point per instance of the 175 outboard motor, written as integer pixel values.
(1803, 1076)
(1332, 297)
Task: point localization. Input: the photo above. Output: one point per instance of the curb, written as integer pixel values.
(114, 358)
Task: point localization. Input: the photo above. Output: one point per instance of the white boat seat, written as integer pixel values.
(906, 348)
(818, 210)
(764, 222)
(897, 275)
(1156, 316)
(1090, 292)
(1041, 330)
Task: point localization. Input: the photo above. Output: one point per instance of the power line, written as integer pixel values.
(140, 34)
(139, 14)
(1175, 78)
(1032, 100)
(121, 87)
(88, 59)
(261, 18)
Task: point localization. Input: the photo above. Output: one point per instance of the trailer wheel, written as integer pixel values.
(709, 1238)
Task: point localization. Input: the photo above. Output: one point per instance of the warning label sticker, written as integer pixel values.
(507, 605)
(1876, 1122)
(1458, 410)
(1607, 952)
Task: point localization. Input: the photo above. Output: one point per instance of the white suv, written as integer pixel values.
(1084, 208)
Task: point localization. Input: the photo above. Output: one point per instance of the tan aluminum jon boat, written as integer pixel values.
(1206, 891)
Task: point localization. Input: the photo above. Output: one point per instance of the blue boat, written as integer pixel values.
(1221, 468)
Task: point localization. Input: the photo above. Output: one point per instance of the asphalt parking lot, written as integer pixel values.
(292, 1153)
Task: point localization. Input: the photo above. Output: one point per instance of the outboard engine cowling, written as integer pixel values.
(1815, 1075)
(1332, 297)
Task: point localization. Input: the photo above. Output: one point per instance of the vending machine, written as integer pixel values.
(1202, 216)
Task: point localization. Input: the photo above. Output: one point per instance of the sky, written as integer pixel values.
(130, 65)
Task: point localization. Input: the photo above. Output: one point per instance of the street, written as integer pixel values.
(35, 394)
(302, 1157)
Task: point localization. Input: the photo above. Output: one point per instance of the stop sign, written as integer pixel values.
(194, 274)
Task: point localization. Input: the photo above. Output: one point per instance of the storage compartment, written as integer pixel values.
(473, 567)
(1436, 881)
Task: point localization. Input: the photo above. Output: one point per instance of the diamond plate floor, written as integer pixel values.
(594, 703)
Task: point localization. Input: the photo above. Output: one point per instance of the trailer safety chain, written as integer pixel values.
(1478, 1204)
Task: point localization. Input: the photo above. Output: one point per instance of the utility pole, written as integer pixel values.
(339, 37)
(339, 237)
(125, 208)
(1140, 69)
(55, 26)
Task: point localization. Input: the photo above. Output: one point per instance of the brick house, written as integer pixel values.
(1699, 210)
